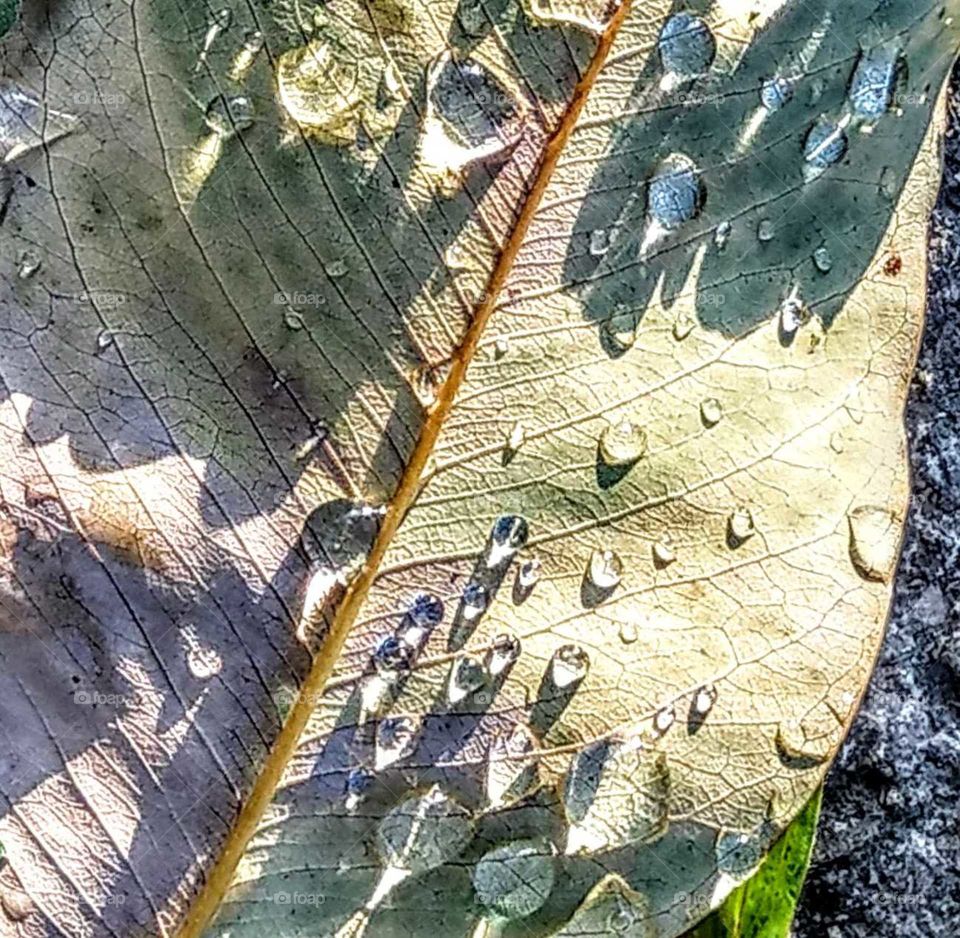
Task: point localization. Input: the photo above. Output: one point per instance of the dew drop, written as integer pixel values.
(722, 235)
(739, 854)
(599, 242)
(508, 535)
(516, 438)
(874, 542)
(628, 633)
(29, 265)
(686, 46)
(740, 527)
(663, 719)
(16, 904)
(683, 326)
(663, 553)
(611, 908)
(605, 569)
(704, 699)
(529, 574)
(502, 655)
(874, 81)
(711, 412)
(823, 259)
(337, 269)
(228, 114)
(500, 348)
(203, 662)
(591, 15)
(293, 320)
(359, 781)
(243, 61)
(776, 93)
(888, 183)
(105, 338)
(568, 666)
(515, 880)
(675, 193)
(511, 766)
(621, 331)
(474, 601)
(423, 615)
(793, 313)
(825, 145)
(622, 443)
(766, 230)
(466, 675)
(396, 739)
(392, 658)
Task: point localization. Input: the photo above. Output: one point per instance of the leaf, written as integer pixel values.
(269, 271)
(764, 906)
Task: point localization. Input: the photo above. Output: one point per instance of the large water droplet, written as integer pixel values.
(663, 719)
(776, 93)
(826, 144)
(396, 739)
(874, 81)
(628, 632)
(600, 240)
(392, 657)
(823, 259)
(674, 194)
(420, 834)
(26, 122)
(466, 675)
(474, 601)
(611, 909)
(739, 854)
(622, 443)
(502, 655)
(682, 327)
(616, 793)
(686, 46)
(508, 535)
(568, 666)
(515, 880)
(605, 569)
(511, 765)
(711, 412)
(422, 616)
(515, 439)
(228, 114)
(874, 542)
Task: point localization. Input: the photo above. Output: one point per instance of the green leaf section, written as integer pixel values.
(764, 906)
(9, 9)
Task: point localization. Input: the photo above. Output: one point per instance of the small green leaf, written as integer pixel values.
(763, 907)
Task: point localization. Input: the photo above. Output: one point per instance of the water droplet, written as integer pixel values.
(515, 880)
(502, 654)
(605, 569)
(16, 903)
(203, 661)
(599, 242)
(511, 765)
(474, 601)
(874, 542)
(392, 658)
(663, 553)
(396, 739)
(704, 699)
(529, 574)
(244, 59)
(711, 412)
(823, 259)
(674, 194)
(337, 268)
(766, 231)
(228, 114)
(611, 908)
(663, 719)
(740, 527)
(516, 438)
(466, 675)
(591, 15)
(568, 666)
(622, 443)
(776, 93)
(105, 338)
(500, 348)
(683, 326)
(425, 611)
(628, 633)
(219, 21)
(793, 313)
(27, 123)
(826, 144)
(420, 834)
(29, 265)
(616, 793)
(509, 534)
(739, 854)
(888, 183)
(359, 782)
(874, 81)
(621, 331)
(686, 46)
(722, 235)
(293, 320)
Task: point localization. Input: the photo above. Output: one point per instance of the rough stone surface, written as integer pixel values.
(887, 862)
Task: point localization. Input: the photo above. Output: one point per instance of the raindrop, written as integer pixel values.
(739, 854)
(663, 719)
(874, 81)
(423, 615)
(228, 114)
(616, 793)
(622, 443)
(621, 331)
(359, 782)
(663, 553)
(722, 235)
(500, 348)
(219, 21)
(244, 59)
(740, 527)
(502, 654)
(474, 601)
(888, 183)
(515, 438)
(683, 326)
(29, 265)
(396, 739)
(293, 320)
(529, 574)
(766, 230)
(675, 194)
(203, 662)
(704, 699)
(793, 313)
(628, 633)
(776, 93)
(874, 542)
(515, 880)
(823, 259)
(825, 145)
(711, 412)
(466, 676)
(392, 658)
(568, 666)
(105, 338)
(337, 268)
(591, 15)
(686, 46)
(509, 534)
(600, 240)
(611, 908)
(27, 123)
(605, 569)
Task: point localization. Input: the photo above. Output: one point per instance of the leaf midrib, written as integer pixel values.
(208, 900)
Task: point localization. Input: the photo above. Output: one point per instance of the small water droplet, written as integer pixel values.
(502, 655)
(793, 313)
(704, 699)
(569, 666)
(739, 854)
(29, 265)
(888, 183)
(508, 535)
(874, 81)
(675, 193)
(422, 833)
(622, 443)
(396, 739)
(219, 21)
(683, 326)
(722, 235)
(663, 553)
(611, 908)
(359, 781)
(337, 268)
(740, 527)
(605, 569)
(628, 633)
(474, 601)
(500, 348)
(243, 61)
(466, 675)
(874, 542)
(663, 719)
(686, 46)
(621, 331)
(776, 92)
(392, 658)
(516, 438)
(423, 614)
(529, 574)
(515, 880)
(823, 259)
(228, 114)
(293, 320)
(105, 338)
(711, 412)
(766, 231)
(826, 144)
(599, 242)
(203, 661)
